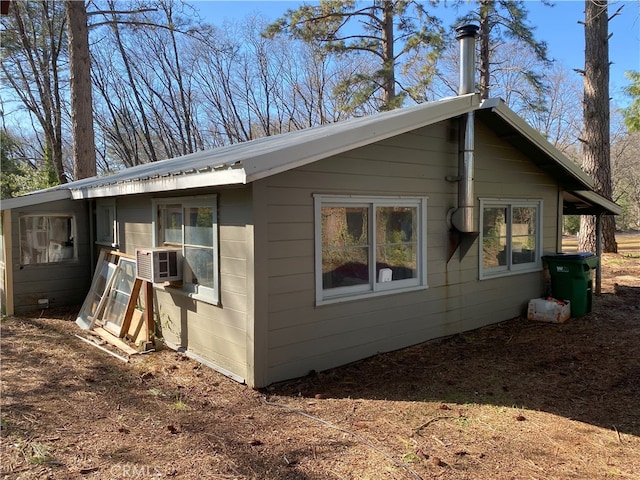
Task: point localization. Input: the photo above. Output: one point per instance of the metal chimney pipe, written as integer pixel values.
(462, 217)
(467, 39)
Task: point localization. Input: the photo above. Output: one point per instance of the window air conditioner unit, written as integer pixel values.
(158, 265)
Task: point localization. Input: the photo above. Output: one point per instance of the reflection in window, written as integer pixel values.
(396, 241)
(523, 235)
(510, 236)
(345, 246)
(119, 295)
(369, 245)
(198, 246)
(47, 239)
(191, 224)
(494, 236)
(170, 223)
(106, 225)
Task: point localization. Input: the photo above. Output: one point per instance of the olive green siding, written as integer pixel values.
(6, 271)
(134, 219)
(267, 326)
(214, 333)
(61, 283)
(303, 337)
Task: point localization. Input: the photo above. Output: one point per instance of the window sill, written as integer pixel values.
(509, 273)
(179, 290)
(367, 295)
(50, 264)
(108, 244)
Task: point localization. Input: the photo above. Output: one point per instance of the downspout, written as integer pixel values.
(462, 217)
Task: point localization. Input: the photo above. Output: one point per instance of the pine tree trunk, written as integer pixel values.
(389, 80)
(84, 151)
(486, 7)
(596, 118)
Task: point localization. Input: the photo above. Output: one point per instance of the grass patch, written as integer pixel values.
(40, 454)
(179, 404)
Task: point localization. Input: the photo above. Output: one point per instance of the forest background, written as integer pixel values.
(170, 78)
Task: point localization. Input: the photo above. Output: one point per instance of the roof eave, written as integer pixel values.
(586, 202)
(35, 198)
(569, 174)
(232, 176)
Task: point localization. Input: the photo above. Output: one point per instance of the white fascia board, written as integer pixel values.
(35, 199)
(345, 136)
(169, 183)
(500, 108)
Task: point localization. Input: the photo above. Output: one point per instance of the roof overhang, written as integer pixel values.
(579, 198)
(513, 129)
(155, 184)
(585, 202)
(35, 198)
(243, 163)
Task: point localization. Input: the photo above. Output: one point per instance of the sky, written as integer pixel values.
(557, 25)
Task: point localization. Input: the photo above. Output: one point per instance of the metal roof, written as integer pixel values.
(249, 161)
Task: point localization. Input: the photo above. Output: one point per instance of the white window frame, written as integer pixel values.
(46, 250)
(374, 287)
(510, 268)
(192, 290)
(107, 236)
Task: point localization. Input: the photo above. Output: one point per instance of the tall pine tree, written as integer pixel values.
(596, 118)
(500, 20)
(84, 147)
(389, 30)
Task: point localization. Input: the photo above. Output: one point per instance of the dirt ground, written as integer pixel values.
(517, 400)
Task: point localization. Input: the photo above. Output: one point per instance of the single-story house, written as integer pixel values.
(319, 247)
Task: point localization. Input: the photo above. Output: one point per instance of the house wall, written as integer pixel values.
(302, 337)
(214, 334)
(6, 270)
(63, 283)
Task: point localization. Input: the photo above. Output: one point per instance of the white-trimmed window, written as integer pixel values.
(191, 224)
(106, 225)
(511, 236)
(368, 246)
(47, 239)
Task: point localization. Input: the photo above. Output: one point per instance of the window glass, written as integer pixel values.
(367, 246)
(396, 243)
(524, 235)
(198, 226)
(170, 224)
(119, 295)
(510, 236)
(494, 237)
(106, 222)
(191, 225)
(345, 246)
(47, 239)
(198, 266)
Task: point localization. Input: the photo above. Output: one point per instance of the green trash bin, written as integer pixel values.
(571, 279)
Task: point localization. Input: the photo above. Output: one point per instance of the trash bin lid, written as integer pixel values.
(570, 256)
